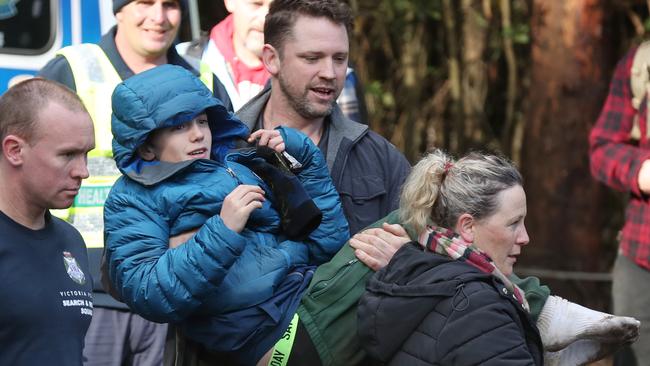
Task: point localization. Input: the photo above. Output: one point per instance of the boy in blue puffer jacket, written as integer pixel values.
(238, 277)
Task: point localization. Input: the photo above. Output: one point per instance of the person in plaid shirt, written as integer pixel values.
(620, 158)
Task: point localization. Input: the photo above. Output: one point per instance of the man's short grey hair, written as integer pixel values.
(21, 105)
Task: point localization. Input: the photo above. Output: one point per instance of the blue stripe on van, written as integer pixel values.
(64, 9)
(90, 22)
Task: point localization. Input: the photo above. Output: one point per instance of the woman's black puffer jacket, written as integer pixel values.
(427, 309)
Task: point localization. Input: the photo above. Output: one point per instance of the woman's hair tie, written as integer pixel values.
(448, 166)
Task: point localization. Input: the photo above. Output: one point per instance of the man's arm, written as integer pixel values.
(615, 159)
(375, 247)
(332, 232)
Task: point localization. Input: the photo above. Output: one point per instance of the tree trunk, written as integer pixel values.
(569, 75)
(474, 74)
(455, 123)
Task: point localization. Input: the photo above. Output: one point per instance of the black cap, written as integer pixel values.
(118, 4)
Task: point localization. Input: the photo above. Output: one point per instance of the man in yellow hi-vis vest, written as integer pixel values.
(141, 40)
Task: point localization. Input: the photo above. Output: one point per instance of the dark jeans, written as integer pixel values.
(631, 295)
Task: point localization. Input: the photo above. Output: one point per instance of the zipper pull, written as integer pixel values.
(293, 162)
(234, 175)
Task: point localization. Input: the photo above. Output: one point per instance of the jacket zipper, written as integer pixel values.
(321, 286)
(233, 174)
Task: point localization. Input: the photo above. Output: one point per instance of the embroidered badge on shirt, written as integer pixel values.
(73, 269)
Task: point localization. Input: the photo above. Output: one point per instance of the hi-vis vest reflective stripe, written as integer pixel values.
(95, 79)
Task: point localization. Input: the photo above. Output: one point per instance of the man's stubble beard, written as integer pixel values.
(300, 103)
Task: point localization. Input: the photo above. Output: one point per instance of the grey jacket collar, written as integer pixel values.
(340, 127)
(156, 173)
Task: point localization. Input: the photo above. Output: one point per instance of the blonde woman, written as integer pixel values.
(448, 298)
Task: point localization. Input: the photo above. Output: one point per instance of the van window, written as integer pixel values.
(26, 26)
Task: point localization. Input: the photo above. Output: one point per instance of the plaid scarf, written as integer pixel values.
(445, 242)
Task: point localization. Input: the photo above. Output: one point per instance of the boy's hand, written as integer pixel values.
(270, 138)
(238, 205)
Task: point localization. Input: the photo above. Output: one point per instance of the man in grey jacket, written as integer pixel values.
(306, 54)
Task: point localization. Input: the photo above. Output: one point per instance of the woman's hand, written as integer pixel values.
(238, 205)
(270, 138)
(376, 247)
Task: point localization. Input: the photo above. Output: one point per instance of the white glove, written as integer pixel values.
(576, 335)
(580, 352)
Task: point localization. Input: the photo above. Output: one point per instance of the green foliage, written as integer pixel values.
(404, 40)
(377, 91)
(646, 24)
(519, 33)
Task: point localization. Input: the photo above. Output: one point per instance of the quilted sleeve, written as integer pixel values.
(333, 231)
(162, 284)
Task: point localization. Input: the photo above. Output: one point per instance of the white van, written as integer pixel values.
(31, 31)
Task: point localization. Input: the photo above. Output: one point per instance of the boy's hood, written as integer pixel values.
(165, 96)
